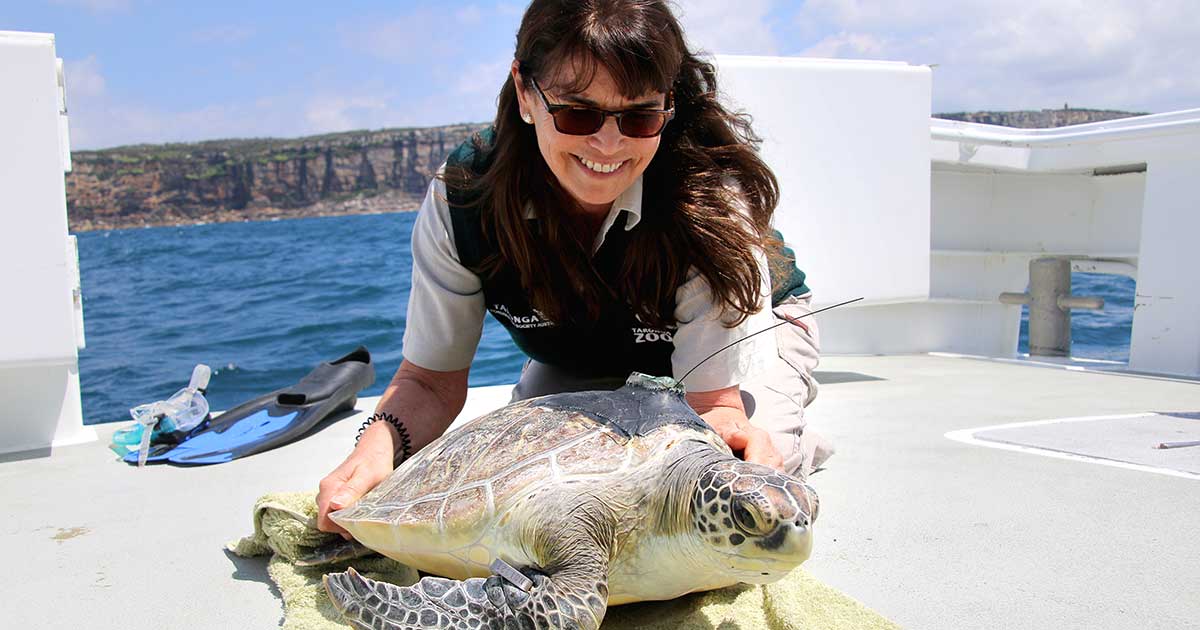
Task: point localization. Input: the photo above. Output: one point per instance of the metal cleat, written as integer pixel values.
(1050, 303)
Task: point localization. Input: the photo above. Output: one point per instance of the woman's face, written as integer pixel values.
(579, 162)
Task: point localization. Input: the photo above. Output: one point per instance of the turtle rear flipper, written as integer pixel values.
(566, 599)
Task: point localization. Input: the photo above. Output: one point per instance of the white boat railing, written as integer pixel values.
(1153, 125)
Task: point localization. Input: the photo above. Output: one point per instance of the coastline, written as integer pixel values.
(387, 202)
(221, 181)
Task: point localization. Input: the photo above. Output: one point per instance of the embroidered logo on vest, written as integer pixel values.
(651, 335)
(535, 320)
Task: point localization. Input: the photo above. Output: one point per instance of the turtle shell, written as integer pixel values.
(453, 494)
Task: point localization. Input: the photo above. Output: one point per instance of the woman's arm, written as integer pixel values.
(445, 319)
(425, 402)
(722, 409)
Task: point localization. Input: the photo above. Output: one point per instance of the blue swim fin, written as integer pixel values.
(275, 419)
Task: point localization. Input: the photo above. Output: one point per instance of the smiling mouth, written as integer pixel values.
(600, 167)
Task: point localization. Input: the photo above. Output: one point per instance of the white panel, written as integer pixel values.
(1032, 212)
(39, 375)
(38, 324)
(937, 325)
(1166, 316)
(1122, 151)
(849, 142)
(976, 276)
(40, 408)
(1116, 222)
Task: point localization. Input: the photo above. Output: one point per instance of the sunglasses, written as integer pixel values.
(575, 120)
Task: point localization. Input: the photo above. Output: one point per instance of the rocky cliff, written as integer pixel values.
(354, 172)
(1039, 119)
(236, 180)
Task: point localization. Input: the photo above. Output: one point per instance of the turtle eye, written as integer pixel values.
(748, 518)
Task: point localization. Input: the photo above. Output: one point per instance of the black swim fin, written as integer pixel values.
(275, 419)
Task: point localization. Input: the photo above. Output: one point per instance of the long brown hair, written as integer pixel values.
(690, 216)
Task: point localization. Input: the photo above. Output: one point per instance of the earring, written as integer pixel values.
(528, 118)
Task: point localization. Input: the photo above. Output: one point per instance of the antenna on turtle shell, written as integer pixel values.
(787, 320)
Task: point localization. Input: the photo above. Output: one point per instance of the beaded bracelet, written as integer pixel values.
(405, 450)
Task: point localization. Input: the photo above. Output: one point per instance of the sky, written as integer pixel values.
(163, 71)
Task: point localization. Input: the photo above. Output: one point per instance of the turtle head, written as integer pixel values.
(756, 520)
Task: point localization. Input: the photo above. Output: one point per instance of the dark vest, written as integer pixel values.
(617, 343)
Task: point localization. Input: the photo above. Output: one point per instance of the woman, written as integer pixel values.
(615, 218)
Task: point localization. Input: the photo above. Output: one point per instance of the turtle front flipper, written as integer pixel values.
(562, 600)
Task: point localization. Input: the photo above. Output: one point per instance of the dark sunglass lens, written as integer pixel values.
(642, 125)
(579, 122)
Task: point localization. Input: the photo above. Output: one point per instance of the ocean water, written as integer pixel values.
(262, 303)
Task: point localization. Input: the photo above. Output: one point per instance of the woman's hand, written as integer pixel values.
(369, 464)
(754, 445)
(425, 401)
(722, 409)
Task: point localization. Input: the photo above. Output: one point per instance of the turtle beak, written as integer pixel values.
(794, 539)
(791, 541)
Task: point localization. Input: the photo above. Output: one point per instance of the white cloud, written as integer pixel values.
(86, 93)
(1035, 54)
(84, 79)
(104, 123)
(483, 80)
(721, 26)
(460, 86)
(98, 120)
(854, 45)
(342, 113)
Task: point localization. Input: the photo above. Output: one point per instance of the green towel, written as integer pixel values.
(285, 526)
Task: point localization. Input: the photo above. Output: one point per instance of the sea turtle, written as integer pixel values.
(600, 498)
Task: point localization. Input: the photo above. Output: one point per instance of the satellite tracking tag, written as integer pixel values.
(506, 571)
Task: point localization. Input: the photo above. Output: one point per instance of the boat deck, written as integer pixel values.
(1054, 528)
